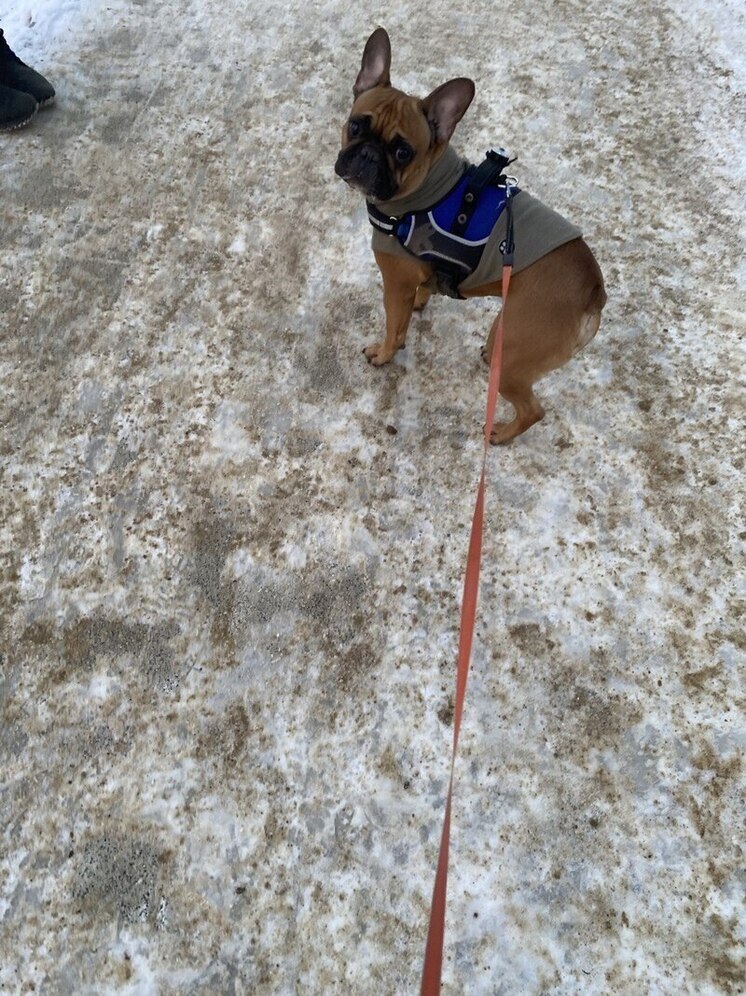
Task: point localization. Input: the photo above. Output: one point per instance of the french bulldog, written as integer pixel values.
(396, 153)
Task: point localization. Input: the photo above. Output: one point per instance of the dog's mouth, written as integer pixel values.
(373, 190)
(365, 173)
(352, 179)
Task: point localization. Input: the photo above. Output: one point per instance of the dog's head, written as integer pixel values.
(390, 140)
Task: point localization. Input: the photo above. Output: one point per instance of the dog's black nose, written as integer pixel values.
(370, 153)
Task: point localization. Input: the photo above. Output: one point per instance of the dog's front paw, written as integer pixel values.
(378, 354)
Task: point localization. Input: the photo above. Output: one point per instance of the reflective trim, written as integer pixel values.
(454, 238)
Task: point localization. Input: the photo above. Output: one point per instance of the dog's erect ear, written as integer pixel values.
(447, 105)
(376, 64)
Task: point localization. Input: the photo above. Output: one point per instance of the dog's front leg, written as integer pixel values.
(401, 278)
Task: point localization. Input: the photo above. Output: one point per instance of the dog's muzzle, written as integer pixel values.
(364, 166)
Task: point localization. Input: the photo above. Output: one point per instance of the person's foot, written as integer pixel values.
(18, 76)
(16, 108)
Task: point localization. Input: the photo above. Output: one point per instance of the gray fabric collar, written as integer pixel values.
(443, 177)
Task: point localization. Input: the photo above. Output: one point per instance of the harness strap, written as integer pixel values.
(383, 222)
(486, 174)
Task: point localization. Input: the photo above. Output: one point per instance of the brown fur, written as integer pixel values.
(392, 113)
(553, 307)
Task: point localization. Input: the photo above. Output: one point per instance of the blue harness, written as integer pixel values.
(451, 235)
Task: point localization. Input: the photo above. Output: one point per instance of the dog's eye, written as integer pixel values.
(354, 129)
(404, 154)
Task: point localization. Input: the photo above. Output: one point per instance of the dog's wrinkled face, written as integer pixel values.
(387, 147)
(391, 141)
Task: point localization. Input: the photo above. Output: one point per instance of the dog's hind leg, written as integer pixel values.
(516, 386)
(589, 325)
(421, 298)
(486, 352)
(528, 411)
(552, 312)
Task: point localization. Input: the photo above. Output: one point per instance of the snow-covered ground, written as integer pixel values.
(53, 28)
(229, 593)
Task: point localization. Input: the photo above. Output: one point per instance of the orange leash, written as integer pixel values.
(431, 971)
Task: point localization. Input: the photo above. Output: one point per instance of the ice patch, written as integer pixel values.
(35, 28)
(99, 687)
(238, 245)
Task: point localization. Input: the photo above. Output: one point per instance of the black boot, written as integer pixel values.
(16, 108)
(18, 76)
